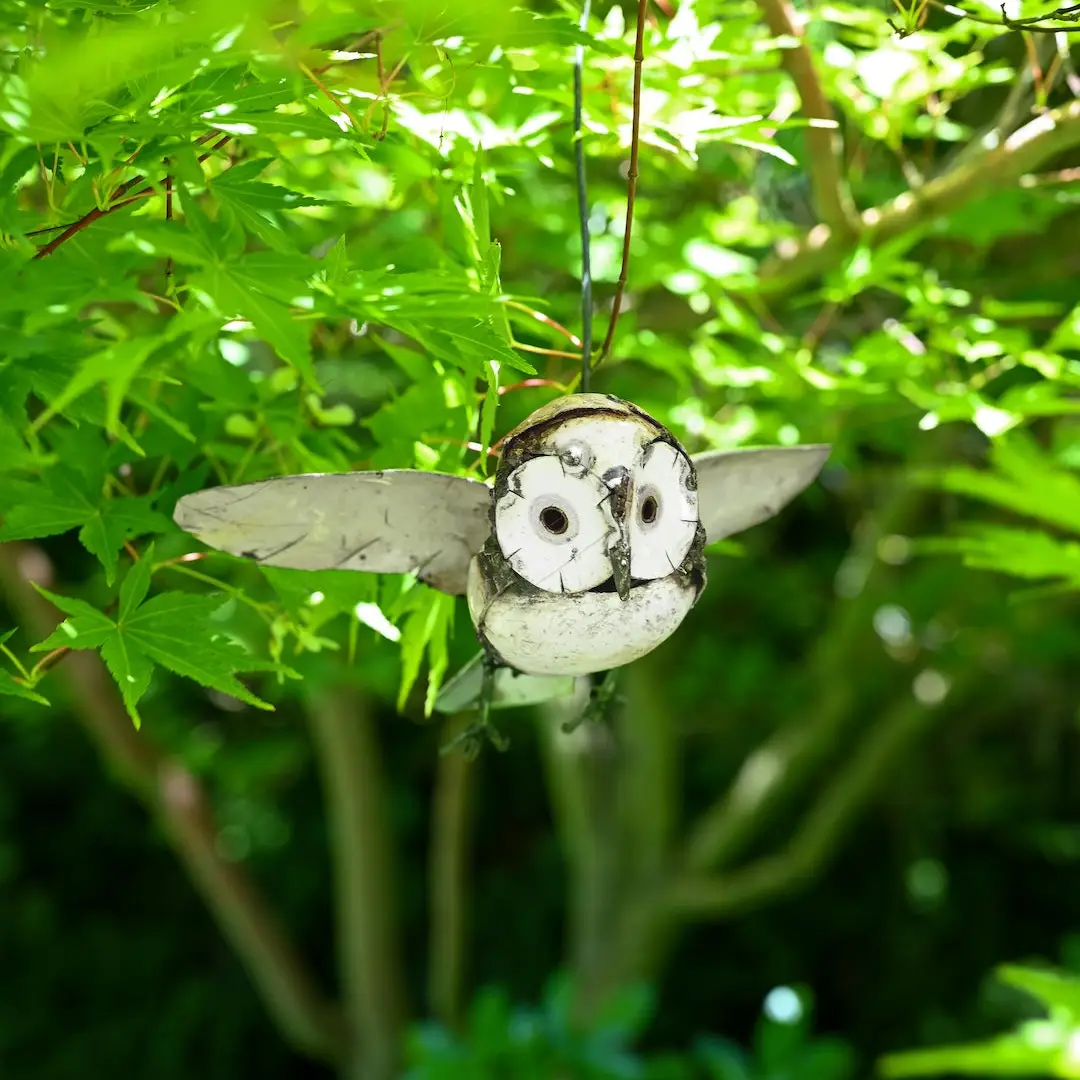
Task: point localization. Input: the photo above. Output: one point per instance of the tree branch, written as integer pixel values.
(1014, 110)
(119, 201)
(306, 1018)
(719, 896)
(1025, 150)
(448, 876)
(613, 789)
(832, 196)
(580, 771)
(786, 761)
(367, 934)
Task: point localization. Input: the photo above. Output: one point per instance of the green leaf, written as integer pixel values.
(85, 627)
(116, 521)
(175, 631)
(240, 295)
(469, 345)
(426, 630)
(116, 368)
(317, 596)
(65, 499)
(1057, 991)
(488, 410)
(58, 503)
(1023, 553)
(478, 197)
(257, 204)
(1024, 481)
(528, 30)
(13, 687)
(1039, 1047)
(131, 669)
(136, 584)
(438, 651)
(337, 262)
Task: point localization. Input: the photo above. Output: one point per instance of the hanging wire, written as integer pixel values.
(583, 209)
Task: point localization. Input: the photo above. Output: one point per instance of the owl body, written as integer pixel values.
(595, 555)
(540, 633)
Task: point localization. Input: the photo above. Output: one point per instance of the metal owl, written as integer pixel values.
(585, 553)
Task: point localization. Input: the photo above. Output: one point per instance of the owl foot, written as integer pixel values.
(473, 738)
(602, 699)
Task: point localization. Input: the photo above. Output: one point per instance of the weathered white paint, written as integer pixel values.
(740, 488)
(659, 547)
(572, 561)
(578, 633)
(400, 521)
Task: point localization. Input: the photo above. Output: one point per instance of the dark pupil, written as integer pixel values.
(554, 520)
(648, 510)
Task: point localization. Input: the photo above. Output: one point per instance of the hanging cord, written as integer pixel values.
(583, 209)
(631, 180)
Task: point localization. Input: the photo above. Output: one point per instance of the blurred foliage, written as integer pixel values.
(501, 1041)
(242, 239)
(1044, 1047)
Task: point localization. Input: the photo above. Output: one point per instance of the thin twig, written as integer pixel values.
(1035, 66)
(168, 217)
(362, 40)
(87, 219)
(384, 96)
(329, 96)
(46, 228)
(583, 209)
(1024, 151)
(529, 384)
(547, 352)
(449, 882)
(822, 829)
(1005, 23)
(1035, 22)
(539, 316)
(832, 196)
(99, 212)
(631, 181)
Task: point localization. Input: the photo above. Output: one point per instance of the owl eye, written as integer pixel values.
(551, 527)
(554, 520)
(665, 514)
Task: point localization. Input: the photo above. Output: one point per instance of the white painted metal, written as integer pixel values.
(741, 488)
(572, 558)
(578, 633)
(394, 522)
(658, 546)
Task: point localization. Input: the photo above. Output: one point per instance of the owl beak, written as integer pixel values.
(621, 499)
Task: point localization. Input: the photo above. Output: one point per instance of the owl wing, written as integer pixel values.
(740, 488)
(400, 521)
(511, 689)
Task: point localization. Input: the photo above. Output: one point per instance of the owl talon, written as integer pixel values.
(474, 737)
(602, 699)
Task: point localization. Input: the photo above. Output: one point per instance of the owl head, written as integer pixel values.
(593, 492)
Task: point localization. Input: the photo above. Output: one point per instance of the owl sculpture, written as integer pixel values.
(584, 554)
